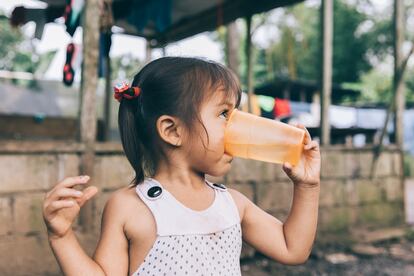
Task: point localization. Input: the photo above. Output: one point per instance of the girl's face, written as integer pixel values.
(210, 157)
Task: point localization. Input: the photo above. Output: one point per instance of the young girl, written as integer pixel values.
(171, 220)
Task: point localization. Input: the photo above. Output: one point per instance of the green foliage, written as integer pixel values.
(297, 53)
(14, 52)
(376, 87)
(125, 67)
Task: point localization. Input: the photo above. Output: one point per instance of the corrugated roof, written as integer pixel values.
(188, 17)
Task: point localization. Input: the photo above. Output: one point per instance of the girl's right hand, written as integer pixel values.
(62, 204)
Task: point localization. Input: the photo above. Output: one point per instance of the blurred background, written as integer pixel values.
(343, 68)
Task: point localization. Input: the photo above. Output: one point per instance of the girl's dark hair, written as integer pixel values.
(175, 86)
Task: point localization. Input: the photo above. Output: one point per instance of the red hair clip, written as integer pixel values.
(123, 90)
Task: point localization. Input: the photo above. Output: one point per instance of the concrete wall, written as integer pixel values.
(349, 198)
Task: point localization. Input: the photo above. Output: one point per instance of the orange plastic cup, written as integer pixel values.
(253, 137)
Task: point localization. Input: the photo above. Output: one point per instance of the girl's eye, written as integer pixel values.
(224, 113)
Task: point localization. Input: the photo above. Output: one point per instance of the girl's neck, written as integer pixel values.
(180, 178)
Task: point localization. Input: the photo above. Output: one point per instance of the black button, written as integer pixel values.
(221, 186)
(154, 191)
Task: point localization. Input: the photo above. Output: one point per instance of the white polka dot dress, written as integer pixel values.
(191, 242)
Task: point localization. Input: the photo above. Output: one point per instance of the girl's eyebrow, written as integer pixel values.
(225, 103)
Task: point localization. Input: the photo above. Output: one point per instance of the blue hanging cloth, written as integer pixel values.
(157, 11)
(105, 42)
(72, 14)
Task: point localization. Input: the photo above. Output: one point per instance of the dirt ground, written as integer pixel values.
(392, 257)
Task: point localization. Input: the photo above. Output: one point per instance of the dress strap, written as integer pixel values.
(152, 190)
(174, 218)
(220, 187)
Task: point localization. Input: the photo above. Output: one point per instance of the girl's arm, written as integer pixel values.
(61, 206)
(289, 242)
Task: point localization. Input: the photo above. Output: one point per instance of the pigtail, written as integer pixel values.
(131, 142)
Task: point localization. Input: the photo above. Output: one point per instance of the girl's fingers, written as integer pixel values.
(311, 145)
(65, 192)
(88, 193)
(58, 204)
(69, 182)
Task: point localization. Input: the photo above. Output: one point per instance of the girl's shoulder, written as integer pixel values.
(240, 200)
(136, 217)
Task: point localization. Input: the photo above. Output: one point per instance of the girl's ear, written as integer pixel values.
(170, 130)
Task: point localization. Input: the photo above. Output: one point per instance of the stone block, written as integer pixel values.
(368, 191)
(334, 219)
(333, 164)
(273, 196)
(384, 166)
(68, 165)
(352, 164)
(27, 215)
(351, 195)
(27, 172)
(269, 172)
(380, 214)
(397, 164)
(27, 255)
(6, 219)
(244, 188)
(112, 172)
(332, 193)
(365, 163)
(393, 189)
(244, 170)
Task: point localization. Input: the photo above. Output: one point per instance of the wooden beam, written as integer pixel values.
(326, 70)
(107, 99)
(232, 47)
(88, 123)
(148, 52)
(249, 63)
(207, 20)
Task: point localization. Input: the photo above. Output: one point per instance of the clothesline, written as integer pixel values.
(341, 117)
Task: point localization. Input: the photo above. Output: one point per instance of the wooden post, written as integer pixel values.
(397, 104)
(148, 51)
(249, 67)
(107, 98)
(398, 60)
(232, 47)
(326, 70)
(87, 127)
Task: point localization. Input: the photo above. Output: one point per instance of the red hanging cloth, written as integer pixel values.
(282, 107)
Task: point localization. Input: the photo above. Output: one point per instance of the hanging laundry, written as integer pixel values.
(156, 11)
(409, 131)
(73, 11)
(106, 16)
(282, 108)
(300, 107)
(267, 105)
(342, 116)
(21, 15)
(68, 71)
(105, 41)
(371, 117)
